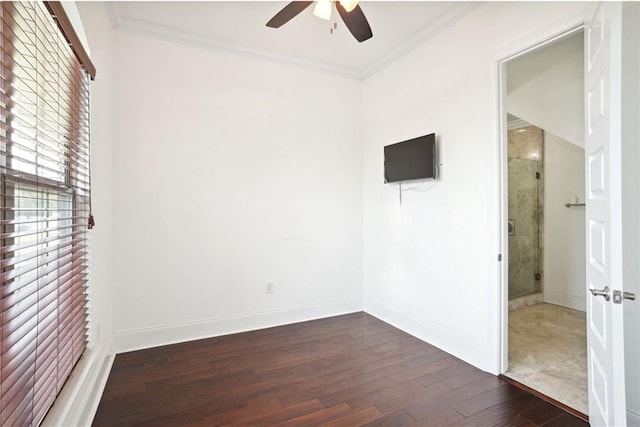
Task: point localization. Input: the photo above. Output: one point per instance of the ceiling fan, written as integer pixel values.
(349, 11)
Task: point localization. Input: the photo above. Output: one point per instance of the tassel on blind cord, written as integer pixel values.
(91, 222)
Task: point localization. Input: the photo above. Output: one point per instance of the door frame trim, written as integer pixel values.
(503, 242)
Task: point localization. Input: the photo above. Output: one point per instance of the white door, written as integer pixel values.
(605, 338)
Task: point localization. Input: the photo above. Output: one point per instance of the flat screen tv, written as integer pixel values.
(411, 159)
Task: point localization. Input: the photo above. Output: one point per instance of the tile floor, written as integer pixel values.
(548, 352)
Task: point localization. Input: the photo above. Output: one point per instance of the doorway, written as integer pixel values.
(544, 200)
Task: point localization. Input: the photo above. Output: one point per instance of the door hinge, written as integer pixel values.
(499, 257)
(537, 276)
(537, 175)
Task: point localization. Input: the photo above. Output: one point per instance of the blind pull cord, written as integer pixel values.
(90, 222)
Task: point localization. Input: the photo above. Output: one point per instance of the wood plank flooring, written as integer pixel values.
(348, 370)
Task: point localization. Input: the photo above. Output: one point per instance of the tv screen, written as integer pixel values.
(411, 159)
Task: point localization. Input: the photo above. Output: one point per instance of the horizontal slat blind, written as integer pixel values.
(44, 209)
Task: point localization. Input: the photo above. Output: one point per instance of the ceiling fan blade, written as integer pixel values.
(356, 22)
(289, 12)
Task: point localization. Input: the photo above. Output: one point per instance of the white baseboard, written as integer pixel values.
(469, 351)
(138, 339)
(566, 300)
(78, 401)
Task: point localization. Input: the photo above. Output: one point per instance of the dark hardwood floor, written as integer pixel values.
(347, 370)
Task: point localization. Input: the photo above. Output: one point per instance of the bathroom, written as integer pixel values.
(546, 223)
(547, 320)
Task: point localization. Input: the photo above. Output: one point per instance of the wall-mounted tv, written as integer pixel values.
(411, 159)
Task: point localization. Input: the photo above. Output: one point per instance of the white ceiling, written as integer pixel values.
(306, 40)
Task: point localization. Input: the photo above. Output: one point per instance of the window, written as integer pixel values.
(44, 207)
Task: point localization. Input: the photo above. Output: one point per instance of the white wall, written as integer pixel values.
(101, 280)
(564, 228)
(78, 400)
(430, 265)
(230, 172)
(631, 204)
(546, 88)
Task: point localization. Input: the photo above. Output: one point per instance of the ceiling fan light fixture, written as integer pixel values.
(349, 5)
(322, 9)
(355, 21)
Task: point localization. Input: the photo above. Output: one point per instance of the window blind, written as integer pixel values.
(44, 206)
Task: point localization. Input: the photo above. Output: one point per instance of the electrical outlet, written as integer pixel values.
(268, 288)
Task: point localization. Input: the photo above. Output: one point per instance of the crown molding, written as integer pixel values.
(115, 15)
(517, 124)
(421, 36)
(142, 27)
(165, 32)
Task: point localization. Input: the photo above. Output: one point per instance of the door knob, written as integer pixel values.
(618, 296)
(601, 293)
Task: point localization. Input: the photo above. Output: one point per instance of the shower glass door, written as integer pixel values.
(524, 227)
